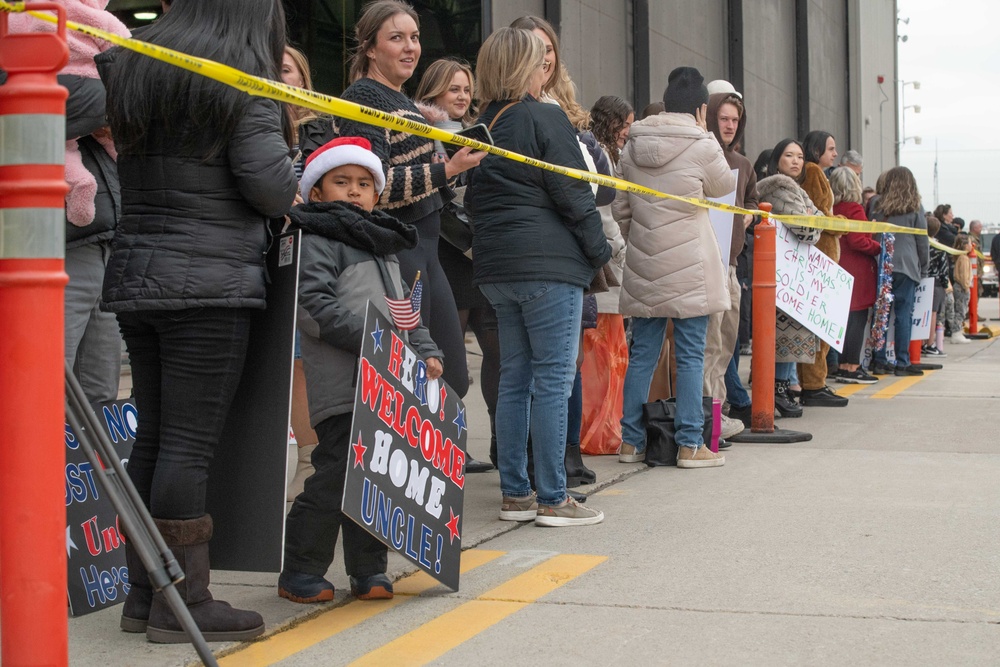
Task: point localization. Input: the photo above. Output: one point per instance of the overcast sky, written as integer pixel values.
(953, 50)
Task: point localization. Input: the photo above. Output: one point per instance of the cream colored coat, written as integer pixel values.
(672, 263)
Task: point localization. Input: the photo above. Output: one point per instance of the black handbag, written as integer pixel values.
(658, 418)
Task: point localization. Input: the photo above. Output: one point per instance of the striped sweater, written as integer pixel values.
(414, 187)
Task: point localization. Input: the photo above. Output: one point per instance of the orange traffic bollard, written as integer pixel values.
(764, 333)
(32, 372)
(762, 361)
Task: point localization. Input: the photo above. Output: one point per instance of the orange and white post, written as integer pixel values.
(32, 377)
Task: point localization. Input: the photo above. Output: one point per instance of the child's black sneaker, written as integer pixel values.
(304, 588)
(373, 587)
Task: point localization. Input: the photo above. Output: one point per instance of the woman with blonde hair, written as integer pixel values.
(444, 97)
(295, 72)
(858, 255)
(537, 245)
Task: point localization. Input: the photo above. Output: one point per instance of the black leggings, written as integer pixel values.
(437, 308)
(854, 337)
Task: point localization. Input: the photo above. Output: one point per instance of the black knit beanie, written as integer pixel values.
(685, 92)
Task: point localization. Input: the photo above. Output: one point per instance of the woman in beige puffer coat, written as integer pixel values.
(673, 266)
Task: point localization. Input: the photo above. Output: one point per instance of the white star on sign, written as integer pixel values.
(70, 544)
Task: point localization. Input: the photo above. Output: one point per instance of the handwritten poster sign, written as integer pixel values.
(812, 289)
(406, 466)
(923, 300)
(95, 548)
(722, 222)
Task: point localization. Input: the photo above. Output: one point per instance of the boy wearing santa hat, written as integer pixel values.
(347, 259)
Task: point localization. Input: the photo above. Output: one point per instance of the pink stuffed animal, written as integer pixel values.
(82, 49)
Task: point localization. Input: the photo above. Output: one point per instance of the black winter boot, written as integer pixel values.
(135, 611)
(576, 472)
(218, 621)
(783, 402)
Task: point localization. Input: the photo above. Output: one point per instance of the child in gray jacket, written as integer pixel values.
(347, 259)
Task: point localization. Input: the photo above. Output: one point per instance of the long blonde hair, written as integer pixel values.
(437, 79)
(560, 86)
(507, 61)
(296, 114)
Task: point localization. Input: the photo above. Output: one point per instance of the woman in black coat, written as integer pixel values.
(538, 242)
(202, 168)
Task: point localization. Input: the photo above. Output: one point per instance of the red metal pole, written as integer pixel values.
(32, 395)
(915, 351)
(762, 361)
(974, 293)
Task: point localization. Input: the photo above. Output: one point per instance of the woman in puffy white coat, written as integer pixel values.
(673, 266)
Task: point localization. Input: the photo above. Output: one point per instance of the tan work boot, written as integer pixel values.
(703, 457)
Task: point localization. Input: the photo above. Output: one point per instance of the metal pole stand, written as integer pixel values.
(762, 360)
(140, 529)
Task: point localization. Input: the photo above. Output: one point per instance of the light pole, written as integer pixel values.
(902, 100)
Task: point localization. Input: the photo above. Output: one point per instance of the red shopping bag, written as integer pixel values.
(605, 359)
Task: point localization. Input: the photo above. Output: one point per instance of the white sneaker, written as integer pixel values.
(731, 427)
(959, 338)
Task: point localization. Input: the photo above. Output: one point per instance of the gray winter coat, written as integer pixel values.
(336, 281)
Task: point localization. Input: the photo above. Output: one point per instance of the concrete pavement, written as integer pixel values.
(875, 543)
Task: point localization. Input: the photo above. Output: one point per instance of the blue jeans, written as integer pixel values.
(539, 326)
(736, 393)
(647, 340)
(785, 370)
(903, 299)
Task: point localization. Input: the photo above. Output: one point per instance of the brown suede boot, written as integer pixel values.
(135, 611)
(218, 621)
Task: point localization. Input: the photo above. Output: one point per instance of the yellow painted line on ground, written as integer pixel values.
(435, 638)
(900, 385)
(277, 647)
(846, 390)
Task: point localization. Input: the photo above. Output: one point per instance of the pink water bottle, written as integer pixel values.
(716, 424)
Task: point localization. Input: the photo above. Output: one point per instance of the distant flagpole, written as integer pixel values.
(936, 199)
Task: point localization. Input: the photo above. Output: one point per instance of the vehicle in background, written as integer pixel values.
(991, 281)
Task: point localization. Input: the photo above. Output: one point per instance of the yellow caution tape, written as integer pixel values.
(943, 248)
(335, 106)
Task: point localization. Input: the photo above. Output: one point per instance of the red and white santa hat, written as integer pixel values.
(337, 153)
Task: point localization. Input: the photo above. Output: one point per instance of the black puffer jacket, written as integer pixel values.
(193, 232)
(532, 224)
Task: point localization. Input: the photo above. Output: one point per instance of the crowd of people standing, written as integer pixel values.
(527, 259)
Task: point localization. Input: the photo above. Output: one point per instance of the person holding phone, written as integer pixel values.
(417, 186)
(538, 244)
(444, 96)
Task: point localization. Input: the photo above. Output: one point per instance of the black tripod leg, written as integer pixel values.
(139, 526)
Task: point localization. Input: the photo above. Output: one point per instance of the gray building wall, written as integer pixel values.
(595, 37)
(686, 33)
(848, 44)
(769, 73)
(828, 71)
(873, 106)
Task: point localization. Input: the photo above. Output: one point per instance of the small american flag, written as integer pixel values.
(406, 312)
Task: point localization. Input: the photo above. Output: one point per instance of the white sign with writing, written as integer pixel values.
(722, 222)
(812, 289)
